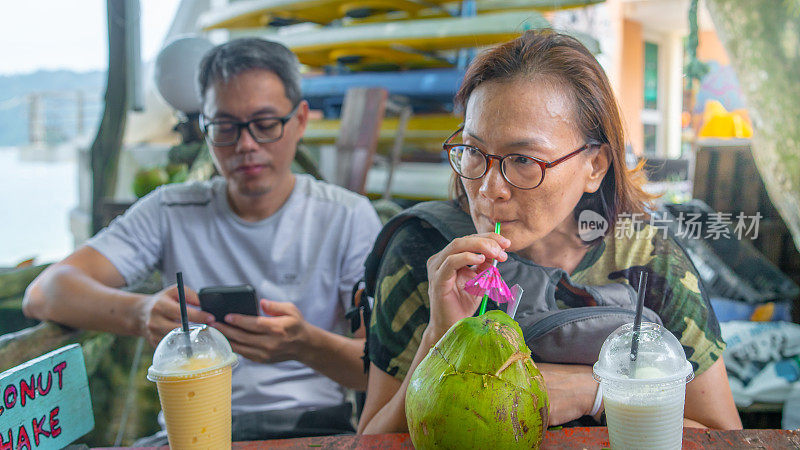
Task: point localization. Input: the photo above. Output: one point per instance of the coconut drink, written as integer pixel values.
(478, 388)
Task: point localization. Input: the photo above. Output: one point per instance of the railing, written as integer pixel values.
(125, 405)
(20, 346)
(24, 345)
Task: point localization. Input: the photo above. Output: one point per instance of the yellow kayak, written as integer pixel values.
(408, 44)
(263, 13)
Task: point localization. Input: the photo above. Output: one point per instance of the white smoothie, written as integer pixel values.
(643, 398)
(655, 425)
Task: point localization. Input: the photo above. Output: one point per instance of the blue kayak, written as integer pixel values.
(429, 90)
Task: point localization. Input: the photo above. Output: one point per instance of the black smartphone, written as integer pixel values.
(223, 300)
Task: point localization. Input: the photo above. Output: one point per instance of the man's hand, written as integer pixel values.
(281, 336)
(284, 335)
(160, 313)
(571, 390)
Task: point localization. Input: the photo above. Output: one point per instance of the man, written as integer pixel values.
(300, 242)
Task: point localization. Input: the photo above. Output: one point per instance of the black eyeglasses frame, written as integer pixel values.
(205, 123)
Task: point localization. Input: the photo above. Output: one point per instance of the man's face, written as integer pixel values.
(254, 169)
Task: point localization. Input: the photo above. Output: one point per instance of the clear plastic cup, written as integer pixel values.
(195, 387)
(644, 398)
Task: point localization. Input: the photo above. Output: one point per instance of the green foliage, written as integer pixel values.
(186, 153)
(13, 282)
(764, 47)
(696, 69)
(148, 179)
(109, 388)
(792, 8)
(94, 350)
(386, 209)
(12, 317)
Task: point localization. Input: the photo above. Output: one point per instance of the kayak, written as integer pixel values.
(263, 13)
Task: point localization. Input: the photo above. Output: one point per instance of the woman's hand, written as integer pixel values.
(709, 401)
(571, 390)
(448, 272)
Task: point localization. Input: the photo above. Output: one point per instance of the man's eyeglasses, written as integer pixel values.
(264, 130)
(520, 171)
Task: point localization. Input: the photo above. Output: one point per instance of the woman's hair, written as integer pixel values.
(562, 61)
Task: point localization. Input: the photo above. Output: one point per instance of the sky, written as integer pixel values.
(71, 34)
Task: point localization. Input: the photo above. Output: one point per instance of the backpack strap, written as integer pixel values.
(359, 307)
(446, 216)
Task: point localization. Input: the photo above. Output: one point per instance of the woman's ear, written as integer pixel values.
(599, 162)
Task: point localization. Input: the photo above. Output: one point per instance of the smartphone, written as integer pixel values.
(223, 300)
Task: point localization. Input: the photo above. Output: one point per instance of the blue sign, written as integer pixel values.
(45, 403)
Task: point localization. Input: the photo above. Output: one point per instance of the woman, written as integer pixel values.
(541, 96)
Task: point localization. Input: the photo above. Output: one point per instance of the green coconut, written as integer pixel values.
(478, 388)
(148, 179)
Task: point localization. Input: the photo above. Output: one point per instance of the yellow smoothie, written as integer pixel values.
(192, 371)
(197, 407)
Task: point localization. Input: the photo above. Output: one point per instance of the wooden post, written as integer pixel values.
(726, 180)
(397, 148)
(108, 142)
(752, 186)
(362, 114)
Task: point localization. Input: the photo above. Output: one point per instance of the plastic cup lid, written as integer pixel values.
(209, 351)
(660, 358)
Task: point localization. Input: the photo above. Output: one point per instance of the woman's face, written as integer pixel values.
(534, 119)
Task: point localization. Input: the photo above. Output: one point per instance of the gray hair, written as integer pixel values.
(227, 60)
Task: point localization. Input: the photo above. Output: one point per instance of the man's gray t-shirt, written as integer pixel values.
(310, 252)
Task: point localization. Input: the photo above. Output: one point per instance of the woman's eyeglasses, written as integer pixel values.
(520, 171)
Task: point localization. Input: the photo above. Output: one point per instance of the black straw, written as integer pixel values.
(637, 321)
(184, 313)
(182, 298)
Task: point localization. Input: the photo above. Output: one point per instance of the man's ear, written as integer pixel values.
(302, 118)
(599, 162)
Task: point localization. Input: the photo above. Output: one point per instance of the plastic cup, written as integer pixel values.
(195, 387)
(644, 398)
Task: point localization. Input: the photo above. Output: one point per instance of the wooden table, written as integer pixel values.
(568, 438)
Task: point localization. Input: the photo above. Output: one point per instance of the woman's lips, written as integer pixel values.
(503, 221)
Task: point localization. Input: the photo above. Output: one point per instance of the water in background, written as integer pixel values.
(35, 199)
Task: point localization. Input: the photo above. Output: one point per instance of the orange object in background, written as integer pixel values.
(686, 119)
(719, 123)
(763, 313)
(26, 263)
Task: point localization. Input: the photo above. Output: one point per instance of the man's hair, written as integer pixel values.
(227, 60)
